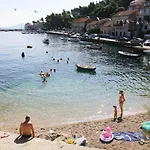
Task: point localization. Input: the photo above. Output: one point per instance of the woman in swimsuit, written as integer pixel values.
(121, 102)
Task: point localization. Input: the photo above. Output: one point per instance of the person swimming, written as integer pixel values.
(23, 54)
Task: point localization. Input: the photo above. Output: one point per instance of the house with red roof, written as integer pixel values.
(96, 24)
(79, 25)
(124, 23)
(92, 25)
(106, 28)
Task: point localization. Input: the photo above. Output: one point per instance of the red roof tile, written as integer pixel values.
(81, 20)
(125, 13)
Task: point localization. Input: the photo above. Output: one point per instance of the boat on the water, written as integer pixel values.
(128, 54)
(85, 67)
(29, 46)
(46, 41)
(146, 51)
(64, 38)
(74, 38)
(84, 43)
(94, 46)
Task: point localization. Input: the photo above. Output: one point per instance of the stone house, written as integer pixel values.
(79, 25)
(124, 23)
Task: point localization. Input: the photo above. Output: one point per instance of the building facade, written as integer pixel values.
(79, 25)
(106, 28)
(124, 23)
(144, 17)
(92, 25)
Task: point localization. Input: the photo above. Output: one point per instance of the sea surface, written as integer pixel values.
(68, 96)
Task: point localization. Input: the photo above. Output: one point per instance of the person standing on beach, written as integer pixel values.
(26, 128)
(121, 102)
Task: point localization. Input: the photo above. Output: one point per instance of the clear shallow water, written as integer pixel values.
(68, 96)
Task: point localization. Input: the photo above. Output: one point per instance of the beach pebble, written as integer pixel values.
(42, 128)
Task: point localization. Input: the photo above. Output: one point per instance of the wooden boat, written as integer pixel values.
(128, 54)
(85, 67)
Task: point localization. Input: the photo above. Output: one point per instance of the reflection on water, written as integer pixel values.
(68, 95)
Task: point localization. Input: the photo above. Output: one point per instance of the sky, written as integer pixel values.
(13, 12)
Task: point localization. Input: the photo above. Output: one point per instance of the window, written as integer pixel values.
(120, 33)
(145, 28)
(124, 33)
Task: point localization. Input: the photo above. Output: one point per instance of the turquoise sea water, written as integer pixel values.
(68, 96)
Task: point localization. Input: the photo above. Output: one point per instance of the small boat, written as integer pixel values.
(84, 43)
(128, 54)
(46, 41)
(29, 46)
(74, 38)
(146, 51)
(85, 67)
(64, 38)
(94, 46)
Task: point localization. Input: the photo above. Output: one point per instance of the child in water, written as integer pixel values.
(115, 113)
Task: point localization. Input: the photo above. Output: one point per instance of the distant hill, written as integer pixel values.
(18, 26)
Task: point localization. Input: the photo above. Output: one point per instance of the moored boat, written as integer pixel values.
(84, 43)
(94, 46)
(146, 51)
(85, 67)
(128, 54)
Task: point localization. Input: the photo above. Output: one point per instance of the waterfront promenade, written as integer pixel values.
(115, 42)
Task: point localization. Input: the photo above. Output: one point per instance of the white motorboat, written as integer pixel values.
(147, 51)
(128, 54)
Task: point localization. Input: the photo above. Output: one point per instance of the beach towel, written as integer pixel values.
(129, 136)
(4, 134)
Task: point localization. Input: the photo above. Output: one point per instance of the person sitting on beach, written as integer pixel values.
(115, 113)
(121, 102)
(26, 128)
